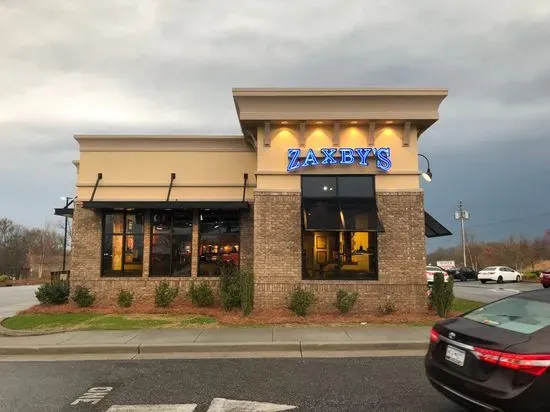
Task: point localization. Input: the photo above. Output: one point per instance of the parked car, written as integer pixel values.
(499, 274)
(463, 273)
(432, 270)
(545, 278)
(496, 357)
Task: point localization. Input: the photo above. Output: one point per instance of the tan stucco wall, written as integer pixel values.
(143, 175)
(273, 159)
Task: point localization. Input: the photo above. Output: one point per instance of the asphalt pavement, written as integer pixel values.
(489, 292)
(16, 298)
(389, 384)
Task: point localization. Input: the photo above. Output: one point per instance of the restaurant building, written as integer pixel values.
(321, 190)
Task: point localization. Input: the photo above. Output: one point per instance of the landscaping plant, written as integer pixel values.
(246, 277)
(4, 278)
(83, 297)
(230, 291)
(165, 294)
(345, 300)
(386, 308)
(300, 301)
(201, 295)
(442, 294)
(53, 293)
(125, 298)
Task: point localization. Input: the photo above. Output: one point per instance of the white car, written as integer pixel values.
(432, 270)
(499, 274)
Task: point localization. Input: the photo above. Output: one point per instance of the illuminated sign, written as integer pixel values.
(342, 156)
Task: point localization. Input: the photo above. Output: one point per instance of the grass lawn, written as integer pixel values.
(92, 321)
(463, 305)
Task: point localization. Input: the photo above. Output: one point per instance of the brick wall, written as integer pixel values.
(86, 243)
(247, 238)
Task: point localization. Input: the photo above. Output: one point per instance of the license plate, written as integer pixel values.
(455, 355)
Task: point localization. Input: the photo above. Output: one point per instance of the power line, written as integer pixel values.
(509, 220)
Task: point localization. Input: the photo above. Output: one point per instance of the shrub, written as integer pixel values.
(3, 278)
(201, 295)
(345, 300)
(125, 298)
(247, 290)
(300, 301)
(165, 294)
(53, 293)
(387, 308)
(442, 294)
(230, 291)
(83, 297)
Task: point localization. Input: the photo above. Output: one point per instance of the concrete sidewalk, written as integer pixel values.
(292, 340)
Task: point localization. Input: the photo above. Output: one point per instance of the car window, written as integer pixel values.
(516, 314)
(490, 269)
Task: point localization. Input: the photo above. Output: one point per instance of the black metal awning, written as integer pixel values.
(63, 212)
(140, 204)
(433, 228)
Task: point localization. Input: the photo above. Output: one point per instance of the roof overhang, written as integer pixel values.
(255, 107)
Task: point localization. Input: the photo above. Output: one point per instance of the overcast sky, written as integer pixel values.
(112, 66)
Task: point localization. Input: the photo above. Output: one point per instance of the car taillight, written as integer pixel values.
(533, 364)
(434, 336)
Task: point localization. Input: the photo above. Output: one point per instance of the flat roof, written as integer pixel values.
(339, 91)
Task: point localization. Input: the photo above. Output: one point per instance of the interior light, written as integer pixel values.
(318, 122)
(325, 188)
(285, 122)
(389, 122)
(354, 122)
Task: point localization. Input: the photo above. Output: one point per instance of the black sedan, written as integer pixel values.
(496, 357)
(463, 273)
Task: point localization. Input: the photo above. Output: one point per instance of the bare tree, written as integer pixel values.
(45, 247)
(13, 248)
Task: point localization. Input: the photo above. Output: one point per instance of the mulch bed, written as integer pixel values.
(257, 318)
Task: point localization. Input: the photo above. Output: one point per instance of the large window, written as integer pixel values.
(339, 227)
(122, 246)
(171, 236)
(219, 244)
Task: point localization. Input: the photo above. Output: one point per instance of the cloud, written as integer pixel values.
(145, 66)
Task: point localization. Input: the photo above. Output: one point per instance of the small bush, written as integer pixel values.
(83, 297)
(442, 294)
(230, 291)
(345, 300)
(3, 278)
(247, 290)
(53, 293)
(300, 301)
(165, 294)
(125, 298)
(201, 295)
(387, 308)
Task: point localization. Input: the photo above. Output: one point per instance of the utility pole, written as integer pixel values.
(462, 215)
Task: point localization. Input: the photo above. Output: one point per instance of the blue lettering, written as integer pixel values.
(347, 156)
(363, 153)
(383, 162)
(311, 159)
(293, 163)
(329, 156)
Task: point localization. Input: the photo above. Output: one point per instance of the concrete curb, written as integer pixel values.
(137, 349)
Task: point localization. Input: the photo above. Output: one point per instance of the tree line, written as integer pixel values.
(26, 252)
(517, 252)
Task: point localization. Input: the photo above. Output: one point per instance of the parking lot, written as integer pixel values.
(474, 290)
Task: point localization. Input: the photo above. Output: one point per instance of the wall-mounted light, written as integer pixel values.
(427, 175)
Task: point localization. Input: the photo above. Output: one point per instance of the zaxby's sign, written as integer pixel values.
(342, 156)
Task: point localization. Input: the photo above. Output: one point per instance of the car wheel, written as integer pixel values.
(500, 280)
(546, 286)
(463, 278)
(518, 278)
(483, 281)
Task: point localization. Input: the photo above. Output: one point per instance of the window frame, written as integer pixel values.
(337, 199)
(220, 235)
(121, 273)
(171, 235)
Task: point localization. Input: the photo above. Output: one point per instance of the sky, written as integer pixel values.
(145, 66)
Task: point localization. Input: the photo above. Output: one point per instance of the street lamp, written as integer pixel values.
(427, 175)
(68, 200)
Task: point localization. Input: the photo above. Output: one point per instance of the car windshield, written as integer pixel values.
(490, 269)
(516, 314)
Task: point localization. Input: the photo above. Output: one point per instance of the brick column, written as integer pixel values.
(247, 238)
(146, 243)
(195, 244)
(86, 244)
(277, 246)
